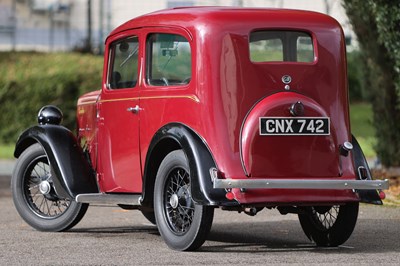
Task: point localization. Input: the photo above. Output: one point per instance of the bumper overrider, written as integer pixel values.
(263, 183)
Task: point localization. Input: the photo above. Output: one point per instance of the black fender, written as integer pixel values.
(366, 196)
(72, 174)
(178, 136)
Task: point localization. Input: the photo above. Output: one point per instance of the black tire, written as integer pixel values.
(42, 211)
(183, 224)
(329, 226)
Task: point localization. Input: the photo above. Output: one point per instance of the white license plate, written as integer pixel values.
(294, 126)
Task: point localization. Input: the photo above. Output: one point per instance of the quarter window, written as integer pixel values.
(123, 68)
(281, 46)
(169, 60)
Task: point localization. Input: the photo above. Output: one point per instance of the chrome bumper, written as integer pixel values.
(301, 184)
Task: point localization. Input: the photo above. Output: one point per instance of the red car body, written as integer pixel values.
(255, 131)
(223, 102)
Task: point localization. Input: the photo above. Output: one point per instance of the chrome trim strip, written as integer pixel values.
(301, 184)
(102, 198)
(190, 97)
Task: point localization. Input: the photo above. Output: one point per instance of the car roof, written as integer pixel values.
(198, 17)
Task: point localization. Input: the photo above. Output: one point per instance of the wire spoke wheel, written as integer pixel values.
(329, 225)
(39, 192)
(183, 224)
(324, 217)
(35, 196)
(179, 206)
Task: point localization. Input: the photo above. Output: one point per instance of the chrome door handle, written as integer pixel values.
(134, 110)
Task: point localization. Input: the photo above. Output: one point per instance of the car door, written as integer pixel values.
(118, 118)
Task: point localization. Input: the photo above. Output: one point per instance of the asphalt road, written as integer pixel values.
(112, 236)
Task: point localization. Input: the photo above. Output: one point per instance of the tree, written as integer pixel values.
(377, 26)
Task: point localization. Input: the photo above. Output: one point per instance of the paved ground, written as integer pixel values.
(6, 167)
(112, 236)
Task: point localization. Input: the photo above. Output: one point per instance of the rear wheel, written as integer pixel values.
(34, 195)
(329, 226)
(182, 223)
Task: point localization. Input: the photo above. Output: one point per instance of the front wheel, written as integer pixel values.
(34, 195)
(182, 223)
(329, 226)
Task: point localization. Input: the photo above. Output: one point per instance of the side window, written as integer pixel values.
(169, 60)
(123, 64)
(281, 46)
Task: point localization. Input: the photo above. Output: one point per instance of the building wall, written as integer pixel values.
(52, 25)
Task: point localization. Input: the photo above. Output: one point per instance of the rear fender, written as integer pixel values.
(177, 136)
(72, 174)
(366, 196)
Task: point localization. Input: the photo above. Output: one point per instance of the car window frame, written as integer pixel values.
(314, 44)
(148, 51)
(111, 57)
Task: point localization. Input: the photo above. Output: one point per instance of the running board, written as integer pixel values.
(115, 199)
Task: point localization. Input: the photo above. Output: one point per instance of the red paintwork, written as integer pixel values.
(87, 123)
(222, 103)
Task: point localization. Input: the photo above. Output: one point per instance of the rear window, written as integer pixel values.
(281, 46)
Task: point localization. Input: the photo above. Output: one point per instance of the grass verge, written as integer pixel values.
(362, 128)
(7, 151)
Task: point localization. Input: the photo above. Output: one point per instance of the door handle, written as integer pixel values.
(134, 110)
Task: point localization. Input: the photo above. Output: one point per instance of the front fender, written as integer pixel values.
(72, 172)
(366, 196)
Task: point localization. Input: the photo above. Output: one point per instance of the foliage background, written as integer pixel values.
(31, 80)
(377, 26)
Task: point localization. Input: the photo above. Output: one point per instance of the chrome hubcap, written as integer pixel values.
(44, 187)
(174, 201)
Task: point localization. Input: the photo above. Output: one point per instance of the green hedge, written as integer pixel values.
(356, 72)
(30, 80)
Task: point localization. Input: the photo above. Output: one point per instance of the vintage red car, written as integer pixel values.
(203, 108)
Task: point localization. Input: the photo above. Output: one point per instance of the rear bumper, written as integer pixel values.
(301, 184)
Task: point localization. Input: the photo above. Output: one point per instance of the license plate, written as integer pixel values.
(294, 126)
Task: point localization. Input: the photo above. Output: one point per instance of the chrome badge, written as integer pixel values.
(286, 79)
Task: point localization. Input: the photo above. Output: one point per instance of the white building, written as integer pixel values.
(51, 25)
